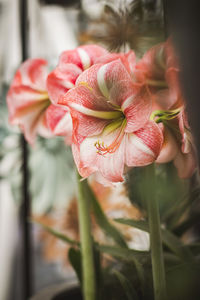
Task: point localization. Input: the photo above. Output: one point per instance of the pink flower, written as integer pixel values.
(111, 126)
(159, 70)
(28, 100)
(179, 146)
(71, 64)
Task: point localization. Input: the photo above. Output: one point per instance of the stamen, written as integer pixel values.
(103, 149)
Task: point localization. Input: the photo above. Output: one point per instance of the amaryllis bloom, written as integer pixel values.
(71, 64)
(111, 126)
(179, 146)
(28, 100)
(158, 69)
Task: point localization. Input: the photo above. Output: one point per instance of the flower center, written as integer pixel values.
(119, 125)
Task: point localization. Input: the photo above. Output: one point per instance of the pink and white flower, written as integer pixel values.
(28, 102)
(159, 71)
(27, 99)
(179, 146)
(111, 126)
(71, 64)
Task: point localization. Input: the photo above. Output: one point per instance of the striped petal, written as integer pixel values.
(90, 114)
(84, 126)
(127, 59)
(59, 121)
(60, 81)
(83, 100)
(169, 148)
(102, 77)
(83, 56)
(137, 108)
(111, 166)
(110, 74)
(33, 73)
(21, 97)
(144, 145)
(29, 119)
(152, 65)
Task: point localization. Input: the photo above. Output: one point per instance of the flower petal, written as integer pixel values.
(185, 164)
(169, 148)
(33, 73)
(111, 165)
(83, 56)
(84, 126)
(110, 74)
(127, 59)
(85, 101)
(21, 97)
(59, 120)
(29, 119)
(143, 146)
(102, 77)
(60, 81)
(137, 108)
(152, 65)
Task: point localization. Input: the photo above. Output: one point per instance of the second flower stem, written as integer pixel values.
(88, 271)
(158, 269)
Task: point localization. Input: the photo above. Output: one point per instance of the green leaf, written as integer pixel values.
(102, 220)
(169, 239)
(127, 286)
(124, 253)
(142, 225)
(175, 245)
(98, 272)
(194, 248)
(57, 234)
(74, 256)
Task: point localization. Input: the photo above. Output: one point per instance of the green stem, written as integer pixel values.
(158, 269)
(88, 271)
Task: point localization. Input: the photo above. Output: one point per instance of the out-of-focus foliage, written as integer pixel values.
(50, 166)
(52, 175)
(128, 274)
(178, 198)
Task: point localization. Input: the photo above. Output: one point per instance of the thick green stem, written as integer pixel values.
(155, 235)
(88, 272)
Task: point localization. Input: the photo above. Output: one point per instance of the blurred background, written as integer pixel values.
(55, 26)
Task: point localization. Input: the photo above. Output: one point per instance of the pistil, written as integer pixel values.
(103, 149)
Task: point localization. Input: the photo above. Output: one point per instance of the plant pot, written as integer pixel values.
(60, 292)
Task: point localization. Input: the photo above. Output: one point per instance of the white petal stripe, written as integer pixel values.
(107, 115)
(101, 81)
(85, 59)
(139, 144)
(67, 84)
(63, 123)
(127, 102)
